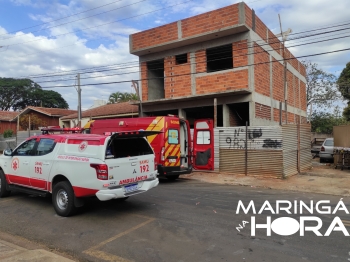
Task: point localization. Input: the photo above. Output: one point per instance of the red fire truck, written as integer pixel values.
(176, 152)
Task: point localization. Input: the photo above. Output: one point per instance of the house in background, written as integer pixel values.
(8, 121)
(118, 110)
(48, 116)
(227, 57)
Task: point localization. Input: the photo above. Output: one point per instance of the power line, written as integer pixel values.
(76, 20)
(136, 63)
(60, 18)
(81, 30)
(279, 60)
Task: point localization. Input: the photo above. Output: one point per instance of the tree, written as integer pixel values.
(119, 97)
(344, 87)
(344, 82)
(35, 122)
(323, 122)
(17, 94)
(321, 89)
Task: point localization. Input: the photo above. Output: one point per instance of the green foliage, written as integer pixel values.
(321, 90)
(20, 93)
(346, 113)
(344, 82)
(119, 97)
(323, 122)
(8, 133)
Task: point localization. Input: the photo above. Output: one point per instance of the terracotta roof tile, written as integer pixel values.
(52, 111)
(106, 110)
(8, 115)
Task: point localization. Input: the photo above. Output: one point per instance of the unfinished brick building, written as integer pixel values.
(227, 55)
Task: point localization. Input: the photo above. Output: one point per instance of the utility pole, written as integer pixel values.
(284, 36)
(137, 90)
(79, 101)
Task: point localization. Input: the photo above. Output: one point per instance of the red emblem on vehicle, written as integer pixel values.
(15, 164)
(83, 145)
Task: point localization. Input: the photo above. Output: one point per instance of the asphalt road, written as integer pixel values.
(185, 220)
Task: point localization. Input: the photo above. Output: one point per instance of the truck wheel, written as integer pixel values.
(63, 199)
(3, 184)
(172, 178)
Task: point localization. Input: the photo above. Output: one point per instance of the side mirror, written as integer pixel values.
(8, 152)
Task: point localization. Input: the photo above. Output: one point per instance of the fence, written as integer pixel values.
(269, 151)
(12, 142)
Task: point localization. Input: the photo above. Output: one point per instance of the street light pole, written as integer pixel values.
(79, 101)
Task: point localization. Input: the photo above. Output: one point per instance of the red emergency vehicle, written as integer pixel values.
(172, 147)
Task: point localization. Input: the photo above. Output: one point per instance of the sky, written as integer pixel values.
(51, 41)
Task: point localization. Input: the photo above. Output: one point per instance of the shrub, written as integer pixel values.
(8, 133)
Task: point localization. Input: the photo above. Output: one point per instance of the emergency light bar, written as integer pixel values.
(61, 130)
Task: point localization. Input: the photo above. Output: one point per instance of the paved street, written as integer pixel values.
(185, 220)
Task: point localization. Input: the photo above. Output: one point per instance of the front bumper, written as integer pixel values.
(143, 186)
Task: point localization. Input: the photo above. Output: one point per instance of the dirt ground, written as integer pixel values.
(322, 178)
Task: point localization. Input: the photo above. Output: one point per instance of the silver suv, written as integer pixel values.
(326, 152)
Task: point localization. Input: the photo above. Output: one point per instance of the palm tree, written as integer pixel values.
(119, 97)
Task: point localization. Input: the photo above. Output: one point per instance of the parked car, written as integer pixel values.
(326, 152)
(316, 144)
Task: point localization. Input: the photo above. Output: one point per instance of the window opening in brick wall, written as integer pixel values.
(155, 73)
(219, 58)
(181, 59)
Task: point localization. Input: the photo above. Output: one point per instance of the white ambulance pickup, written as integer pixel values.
(72, 167)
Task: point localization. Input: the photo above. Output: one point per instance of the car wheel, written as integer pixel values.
(3, 184)
(63, 199)
(172, 178)
(321, 160)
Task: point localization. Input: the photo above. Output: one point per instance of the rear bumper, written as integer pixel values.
(326, 155)
(108, 194)
(173, 170)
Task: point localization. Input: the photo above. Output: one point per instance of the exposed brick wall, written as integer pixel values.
(291, 118)
(277, 80)
(261, 71)
(220, 82)
(262, 111)
(274, 42)
(201, 61)
(240, 53)
(155, 36)
(276, 115)
(248, 16)
(302, 69)
(234, 119)
(303, 95)
(303, 120)
(260, 28)
(214, 20)
(290, 87)
(144, 81)
(178, 78)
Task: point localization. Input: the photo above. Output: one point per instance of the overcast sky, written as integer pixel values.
(41, 37)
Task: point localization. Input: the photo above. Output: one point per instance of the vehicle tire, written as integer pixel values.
(3, 184)
(321, 160)
(63, 199)
(172, 178)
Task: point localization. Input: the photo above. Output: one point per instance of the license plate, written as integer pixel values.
(172, 160)
(130, 188)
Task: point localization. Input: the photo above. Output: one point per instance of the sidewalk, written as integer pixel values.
(14, 249)
(322, 178)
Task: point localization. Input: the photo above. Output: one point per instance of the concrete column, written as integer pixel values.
(182, 113)
(225, 115)
(193, 72)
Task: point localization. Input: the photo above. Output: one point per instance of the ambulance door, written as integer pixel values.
(203, 144)
(41, 163)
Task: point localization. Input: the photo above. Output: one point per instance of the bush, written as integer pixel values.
(8, 133)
